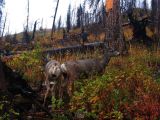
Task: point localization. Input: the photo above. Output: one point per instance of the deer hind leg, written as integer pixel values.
(70, 85)
(61, 88)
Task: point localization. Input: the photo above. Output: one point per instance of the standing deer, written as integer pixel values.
(53, 80)
(73, 70)
(62, 76)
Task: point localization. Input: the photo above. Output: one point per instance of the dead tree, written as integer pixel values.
(139, 28)
(68, 21)
(34, 30)
(27, 14)
(13, 83)
(156, 17)
(4, 25)
(1, 14)
(26, 36)
(3, 83)
(53, 25)
(114, 34)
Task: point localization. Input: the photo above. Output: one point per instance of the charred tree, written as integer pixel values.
(59, 23)
(68, 22)
(1, 14)
(12, 83)
(53, 25)
(26, 36)
(114, 34)
(4, 25)
(156, 17)
(139, 28)
(3, 83)
(34, 30)
(79, 16)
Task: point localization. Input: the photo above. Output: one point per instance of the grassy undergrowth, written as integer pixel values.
(129, 89)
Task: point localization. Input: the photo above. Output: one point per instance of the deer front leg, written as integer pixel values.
(48, 89)
(53, 85)
(46, 95)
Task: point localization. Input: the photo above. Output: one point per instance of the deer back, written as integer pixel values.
(82, 68)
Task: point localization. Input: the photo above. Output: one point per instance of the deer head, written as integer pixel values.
(53, 69)
(110, 52)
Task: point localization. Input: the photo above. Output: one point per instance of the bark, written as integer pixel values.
(4, 25)
(34, 30)
(53, 25)
(3, 83)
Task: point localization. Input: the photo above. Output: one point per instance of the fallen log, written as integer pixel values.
(13, 82)
(74, 49)
(71, 49)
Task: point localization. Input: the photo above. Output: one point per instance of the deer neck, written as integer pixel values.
(105, 60)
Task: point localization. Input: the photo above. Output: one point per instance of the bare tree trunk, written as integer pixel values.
(3, 83)
(27, 15)
(26, 37)
(1, 13)
(155, 19)
(53, 25)
(4, 25)
(158, 23)
(34, 30)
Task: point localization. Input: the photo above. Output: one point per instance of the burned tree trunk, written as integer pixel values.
(155, 18)
(53, 25)
(13, 83)
(139, 28)
(34, 30)
(3, 83)
(114, 34)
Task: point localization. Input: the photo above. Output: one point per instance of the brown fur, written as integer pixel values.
(76, 69)
(54, 80)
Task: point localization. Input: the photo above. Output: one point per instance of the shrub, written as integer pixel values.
(126, 91)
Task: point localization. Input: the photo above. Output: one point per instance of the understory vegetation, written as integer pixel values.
(129, 89)
(121, 82)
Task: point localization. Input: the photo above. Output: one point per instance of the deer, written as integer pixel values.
(73, 70)
(53, 80)
(62, 76)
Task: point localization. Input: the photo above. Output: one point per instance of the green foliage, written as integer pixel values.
(6, 110)
(30, 63)
(129, 89)
(56, 104)
(116, 115)
(60, 117)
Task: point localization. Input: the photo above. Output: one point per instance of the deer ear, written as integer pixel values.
(63, 68)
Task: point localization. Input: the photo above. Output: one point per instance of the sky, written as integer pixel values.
(39, 9)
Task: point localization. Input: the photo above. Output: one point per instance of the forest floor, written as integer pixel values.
(129, 88)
